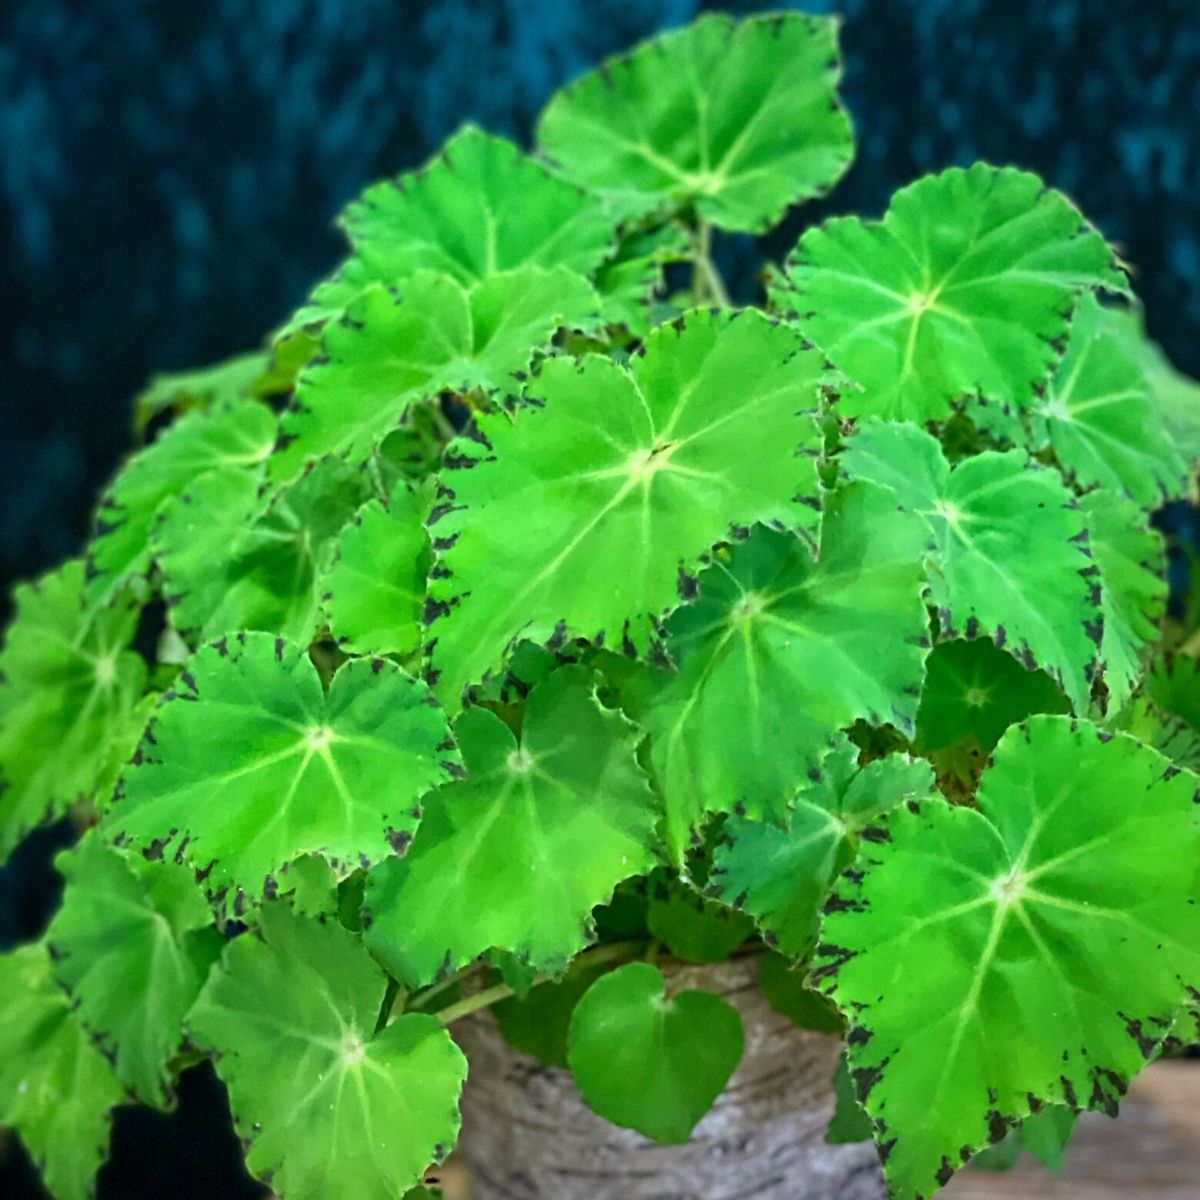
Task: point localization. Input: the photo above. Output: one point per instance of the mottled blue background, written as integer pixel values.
(169, 172)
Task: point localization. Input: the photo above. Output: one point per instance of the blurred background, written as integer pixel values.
(169, 174)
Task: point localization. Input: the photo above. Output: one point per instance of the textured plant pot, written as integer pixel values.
(527, 1135)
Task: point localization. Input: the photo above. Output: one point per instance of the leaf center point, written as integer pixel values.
(1009, 889)
(520, 762)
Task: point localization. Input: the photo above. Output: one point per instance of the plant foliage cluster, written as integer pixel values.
(518, 621)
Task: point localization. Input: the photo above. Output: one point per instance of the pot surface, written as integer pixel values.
(527, 1135)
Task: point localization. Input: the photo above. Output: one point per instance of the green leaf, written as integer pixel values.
(694, 929)
(230, 436)
(1011, 557)
(737, 120)
(373, 593)
(132, 944)
(516, 855)
(395, 347)
(975, 690)
(629, 282)
(311, 884)
(1175, 396)
(1033, 950)
(849, 1123)
(779, 653)
(786, 990)
(56, 1089)
(962, 291)
(69, 690)
(537, 1025)
(249, 764)
(1099, 418)
(234, 557)
(1174, 686)
(1133, 566)
(478, 208)
(711, 427)
(329, 1106)
(781, 876)
(229, 381)
(651, 1062)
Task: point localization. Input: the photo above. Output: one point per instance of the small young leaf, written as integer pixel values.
(651, 1062)
(778, 653)
(694, 929)
(373, 593)
(735, 119)
(711, 427)
(248, 765)
(628, 283)
(781, 876)
(849, 1123)
(69, 692)
(56, 1089)
(235, 558)
(1058, 920)
(132, 958)
(328, 1106)
(963, 290)
(516, 855)
(1174, 686)
(975, 690)
(395, 347)
(232, 436)
(1028, 585)
(1099, 417)
(786, 990)
(1133, 565)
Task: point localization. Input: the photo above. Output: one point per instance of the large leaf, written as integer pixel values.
(478, 208)
(648, 1061)
(69, 687)
(735, 119)
(963, 290)
(1033, 950)
(56, 1089)
(329, 1106)
(1099, 417)
(516, 855)
(132, 944)
(587, 514)
(249, 764)
(779, 653)
(781, 875)
(1133, 566)
(395, 347)
(1011, 561)
(234, 558)
(232, 436)
(374, 591)
(975, 690)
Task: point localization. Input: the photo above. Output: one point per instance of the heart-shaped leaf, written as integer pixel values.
(778, 653)
(738, 119)
(648, 1061)
(132, 943)
(329, 1106)
(248, 764)
(69, 692)
(963, 291)
(516, 855)
(1058, 921)
(1029, 584)
(711, 427)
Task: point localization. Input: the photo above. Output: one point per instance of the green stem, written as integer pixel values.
(597, 956)
(436, 989)
(707, 283)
